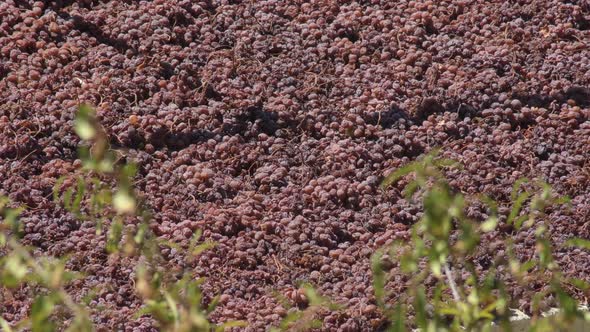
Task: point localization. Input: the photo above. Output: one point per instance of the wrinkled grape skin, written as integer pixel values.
(269, 126)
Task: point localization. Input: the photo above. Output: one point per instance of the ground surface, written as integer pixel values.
(269, 124)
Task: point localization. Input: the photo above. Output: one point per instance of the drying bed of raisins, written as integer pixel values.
(269, 125)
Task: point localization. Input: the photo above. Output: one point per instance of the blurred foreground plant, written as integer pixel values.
(445, 237)
(177, 305)
(102, 192)
(18, 266)
(303, 320)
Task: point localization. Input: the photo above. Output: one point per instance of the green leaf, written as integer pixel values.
(490, 224)
(198, 321)
(526, 266)
(397, 320)
(579, 283)
(40, 312)
(169, 244)
(290, 319)
(520, 220)
(81, 189)
(411, 189)
(16, 266)
(3, 202)
(5, 326)
(124, 202)
(492, 204)
(106, 165)
(81, 323)
(408, 263)
(198, 249)
(544, 253)
(281, 299)
(578, 242)
(567, 303)
(561, 200)
(213, 304)
(312, 295)
(517, 206)
(68, 199)
(115, 234)
(57, 187)
(450, 311)
(516, 187)
(378, 278)
(228, 325)
(420, 307)
(316, 324)
(84, 129)
(83, 123)
(12, 221)
(398, 174)
(84, 155)
(450, 163)
(159, 310)
(473, 297)
(129, 170)
(491, 307)
(56, 273)
(436, 267)
(141, 233)
(172, 305)
(91, 295)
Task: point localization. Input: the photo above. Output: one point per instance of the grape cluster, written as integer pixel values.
(269, 125)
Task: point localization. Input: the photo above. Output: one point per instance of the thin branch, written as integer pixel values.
(452, 283)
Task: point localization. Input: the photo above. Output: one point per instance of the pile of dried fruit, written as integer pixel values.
(269, 125)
